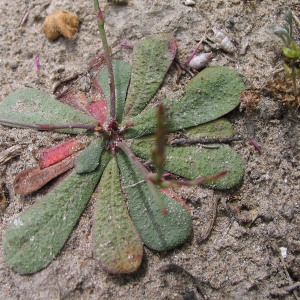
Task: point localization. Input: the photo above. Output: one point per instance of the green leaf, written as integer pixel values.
(191, 162)
(34, 107)
(283, 34)
(152, 59)
(220, 128)
(158, 231)
(122, 73)
(214, 92)
(117, 243)
(291, 52)
(89, 159)
(34, 238)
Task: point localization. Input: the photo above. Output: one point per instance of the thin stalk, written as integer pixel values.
(134, 159)
(48, 126)
(151, 177)
(294, 79)
(158, 154)
(100, 19)
(147, 175)
(194, 182)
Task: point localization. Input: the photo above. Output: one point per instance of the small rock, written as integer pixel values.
(189, 3)
(13, 64)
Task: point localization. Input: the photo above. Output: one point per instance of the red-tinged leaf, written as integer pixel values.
(57, 153)
(37, 235)
(172, 48)
(66, 92)
(97, 92)
(32, 179)
(97, 63)
(99, 111)
(172, 194)
(77, 101)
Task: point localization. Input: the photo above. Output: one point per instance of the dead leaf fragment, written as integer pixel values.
(3, 197)
(60, 22)
(9, 153)
(32, 179)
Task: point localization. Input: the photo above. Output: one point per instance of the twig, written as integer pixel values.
(37, 65)
(212, 222)
(287, 274)
(24, 19)
(285, 290)
(203, 140)
(76, 76)
(255, 145)
(9, 153)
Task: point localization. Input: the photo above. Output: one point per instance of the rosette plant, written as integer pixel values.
(132, 209)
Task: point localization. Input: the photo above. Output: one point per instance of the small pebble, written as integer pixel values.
(13, 64)
(189, 3)
(283, 251)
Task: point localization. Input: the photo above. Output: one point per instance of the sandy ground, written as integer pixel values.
(239, 260)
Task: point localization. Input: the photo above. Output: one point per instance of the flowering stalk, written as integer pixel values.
(146, 174)
(100, 21)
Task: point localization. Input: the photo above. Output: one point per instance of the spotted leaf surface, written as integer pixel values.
(214, 92)
(34, 107)
(158, 231)
(89, 159)
(193, 161)
(152, 58)
(117, 243)
(38, 234)
(122, 71)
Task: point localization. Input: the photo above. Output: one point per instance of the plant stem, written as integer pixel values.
(294, 79)
(135, 160)
(158, 153)
(146, 174)
(100, 19)
(48, 126)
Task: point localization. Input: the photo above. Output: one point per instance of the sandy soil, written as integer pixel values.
(239, 260)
